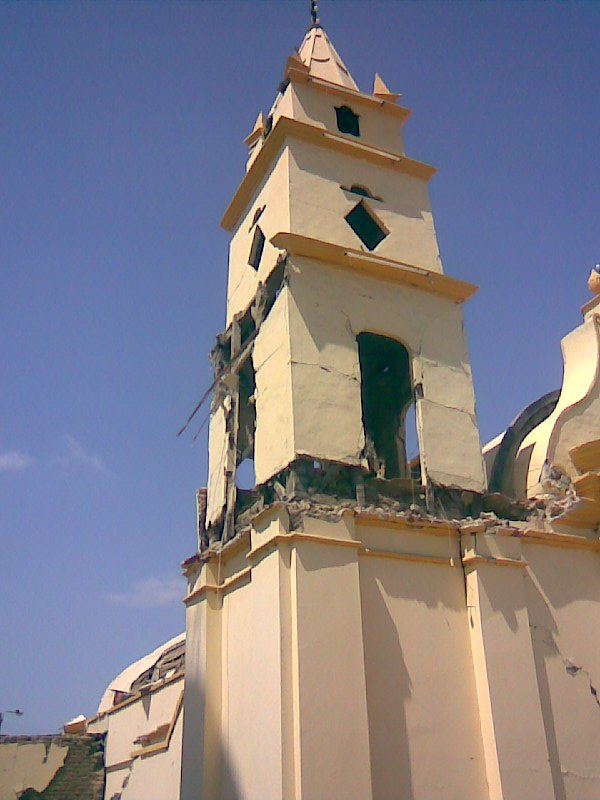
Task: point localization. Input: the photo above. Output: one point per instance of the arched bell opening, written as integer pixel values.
(387, 395)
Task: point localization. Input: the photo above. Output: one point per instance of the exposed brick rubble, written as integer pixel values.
(325, 491)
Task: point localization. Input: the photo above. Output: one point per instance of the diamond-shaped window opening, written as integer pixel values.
(366, 225)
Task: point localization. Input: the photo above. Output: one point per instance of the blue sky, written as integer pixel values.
(120, 146)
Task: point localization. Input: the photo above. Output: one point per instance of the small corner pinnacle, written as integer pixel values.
(381, 91)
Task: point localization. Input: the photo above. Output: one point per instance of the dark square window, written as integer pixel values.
(256, 251)
(347, 121)
(366, 226)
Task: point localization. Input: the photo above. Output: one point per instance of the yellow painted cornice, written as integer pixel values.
(223, 588)
(492, 561)
(376, 266)
(554, 539)
(414, 558)
(433, 527)
(299, 536)
(297, 75)
(293, 128)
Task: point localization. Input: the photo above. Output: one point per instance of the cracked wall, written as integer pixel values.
(271, 195)
(563, 598)
(328, 308)
(274, 439)
(28, 765)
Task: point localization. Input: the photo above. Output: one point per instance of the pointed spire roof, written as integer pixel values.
(381, 91)
(256, 130)
(320, 56)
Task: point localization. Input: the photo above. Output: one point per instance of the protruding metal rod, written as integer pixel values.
(314, 13)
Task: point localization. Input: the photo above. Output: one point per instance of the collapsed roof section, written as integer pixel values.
(161, 663)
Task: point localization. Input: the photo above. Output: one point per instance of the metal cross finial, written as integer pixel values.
(314, 13)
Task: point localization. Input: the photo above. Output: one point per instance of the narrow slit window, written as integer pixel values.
(256, 250)
(268, 125)
(347, 121)
(366, 226)
(256, 216)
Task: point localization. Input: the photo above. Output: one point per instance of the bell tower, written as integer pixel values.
(339, 315)
(355, 627)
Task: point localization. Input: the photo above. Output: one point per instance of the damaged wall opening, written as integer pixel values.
(244, 477)
(257, 247)
(387, 396)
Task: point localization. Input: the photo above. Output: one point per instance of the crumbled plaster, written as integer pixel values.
(52, 767)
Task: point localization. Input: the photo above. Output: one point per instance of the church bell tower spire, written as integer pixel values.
(340, 319)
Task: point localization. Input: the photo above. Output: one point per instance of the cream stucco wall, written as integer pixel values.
(307, 369)
(563, 599)
(135, 771)
(389, 658)
(272, 194)
(318, 204)
(302, 193)
(318, 108)
(217, 460)
(28, 765)
(412, 610)
(329, 307)
(274, 438)
(251, 676)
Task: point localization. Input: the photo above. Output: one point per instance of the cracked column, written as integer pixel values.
(512, 726)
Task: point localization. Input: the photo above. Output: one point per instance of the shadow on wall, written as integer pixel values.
(206, 770)
(389, 688)
(420, 681)
(543, 632)
(563, 601)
